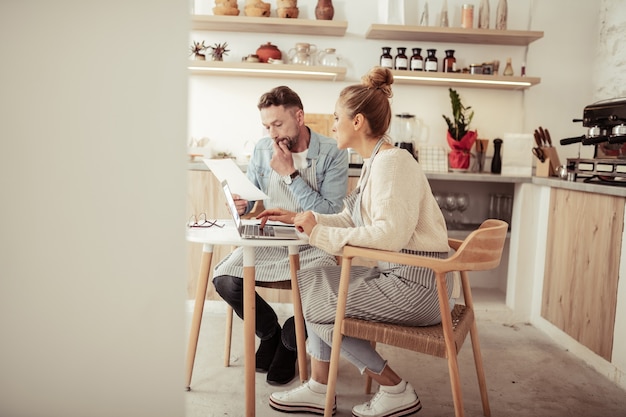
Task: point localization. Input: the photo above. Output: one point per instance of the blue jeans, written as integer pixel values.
(231, 290)
(359, 352)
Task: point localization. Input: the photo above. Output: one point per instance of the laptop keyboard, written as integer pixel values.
(255, 230)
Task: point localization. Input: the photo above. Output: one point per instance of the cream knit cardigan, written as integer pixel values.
(398, 209)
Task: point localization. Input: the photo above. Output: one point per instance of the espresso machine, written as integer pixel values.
(606, 130)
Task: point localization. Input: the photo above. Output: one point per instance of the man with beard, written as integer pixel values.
(299, 170)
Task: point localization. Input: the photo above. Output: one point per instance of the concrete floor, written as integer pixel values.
(527, 374)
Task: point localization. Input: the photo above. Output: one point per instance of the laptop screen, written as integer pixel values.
(231, 204)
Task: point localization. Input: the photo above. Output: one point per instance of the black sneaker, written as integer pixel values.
(266, 351)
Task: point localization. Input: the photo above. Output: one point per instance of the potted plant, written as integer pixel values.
(460, 137)
(197, 50)
(218, 51)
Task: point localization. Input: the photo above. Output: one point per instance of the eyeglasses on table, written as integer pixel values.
(202, 221)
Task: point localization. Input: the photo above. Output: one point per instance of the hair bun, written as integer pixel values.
(380, 78)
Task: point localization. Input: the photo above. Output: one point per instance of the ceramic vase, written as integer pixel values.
(501, 15)
(483, 15)
(324, 10)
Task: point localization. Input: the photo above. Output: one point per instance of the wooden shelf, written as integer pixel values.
(447, 79)
(269, 25)
(314, 72)
(452, 35)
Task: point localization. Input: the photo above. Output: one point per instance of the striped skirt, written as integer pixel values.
(388, 293)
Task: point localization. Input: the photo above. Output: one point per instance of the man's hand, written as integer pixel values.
(240, 204)
(282, 161)
(305, 222)
(276, 214)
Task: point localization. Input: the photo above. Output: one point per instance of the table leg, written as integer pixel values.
(249, 318)
(203, 281)
(294, 262)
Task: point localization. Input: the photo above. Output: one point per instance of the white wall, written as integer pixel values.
(93, 180)
(224, 108)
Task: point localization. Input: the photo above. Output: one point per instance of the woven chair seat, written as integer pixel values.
(425, 339)
(279, 285)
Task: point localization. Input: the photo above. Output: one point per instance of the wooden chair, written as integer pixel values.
(480, 251)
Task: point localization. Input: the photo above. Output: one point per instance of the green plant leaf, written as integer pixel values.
(462, 116)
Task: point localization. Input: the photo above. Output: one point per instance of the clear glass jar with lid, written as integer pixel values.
(328, 57)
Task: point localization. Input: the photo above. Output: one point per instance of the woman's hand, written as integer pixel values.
(276, 214)
(305, 222)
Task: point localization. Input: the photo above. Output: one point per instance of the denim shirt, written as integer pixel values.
(331, 165)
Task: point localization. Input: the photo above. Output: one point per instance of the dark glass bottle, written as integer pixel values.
(430, 63)
(417, 62)
(449, 62)
(386, 60)
(401, 62)
(496, 162)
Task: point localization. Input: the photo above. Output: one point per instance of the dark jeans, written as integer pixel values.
(231, 290)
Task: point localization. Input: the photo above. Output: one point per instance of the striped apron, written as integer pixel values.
(271, 264)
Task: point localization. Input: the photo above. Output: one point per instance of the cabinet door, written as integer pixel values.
(582, 266)
(320, 123)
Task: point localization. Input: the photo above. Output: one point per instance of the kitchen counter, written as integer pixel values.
(448, 176)
(614, 190)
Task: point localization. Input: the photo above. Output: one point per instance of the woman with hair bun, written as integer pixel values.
(392, 208)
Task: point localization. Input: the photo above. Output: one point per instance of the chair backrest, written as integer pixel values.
(482, 249)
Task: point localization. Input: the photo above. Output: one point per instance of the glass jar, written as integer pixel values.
(431, 62)
(417, 62)
(386, 60)
(328, 57)
(467, 16)
(449, 62)
(401, 62)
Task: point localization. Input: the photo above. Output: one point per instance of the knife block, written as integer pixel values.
(548, 168)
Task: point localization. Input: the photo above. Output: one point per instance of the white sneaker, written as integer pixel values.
(385, 404)
(301, 399)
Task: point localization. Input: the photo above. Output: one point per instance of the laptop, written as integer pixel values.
(254, 231)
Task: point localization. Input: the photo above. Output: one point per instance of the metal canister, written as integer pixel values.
(476, 68)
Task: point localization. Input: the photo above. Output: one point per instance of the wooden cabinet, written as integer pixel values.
(582, 266)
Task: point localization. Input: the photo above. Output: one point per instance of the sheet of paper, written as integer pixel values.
(517, 156)
(227, 169)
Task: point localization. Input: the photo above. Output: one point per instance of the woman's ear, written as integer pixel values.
(357, 121)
